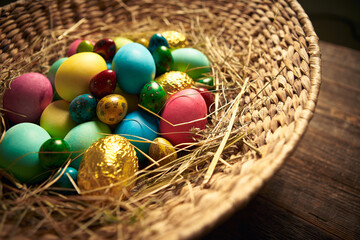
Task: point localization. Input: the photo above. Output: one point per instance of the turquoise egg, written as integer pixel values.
(109, 65)
(19, 152)
(64, 181)
(82, 136)
(139, 125)
(83, 108)
(53, 69)
(191, 61)
(163, 60)
(157, 40)
(134, 66)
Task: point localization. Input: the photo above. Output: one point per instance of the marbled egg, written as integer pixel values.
(111, 109)
(121, 41)
(185, 110)
(191, 61)
(73, 76)
(82, 136)
(163, 60)
(27, 97)
(83, 108)
(53, 153)
(139, 126)
(103, 83)
(161, 149)
(134, 66)
(19, 152)
(153, 96)
(56, 119)
(106, 48)
(53, 69)
(157, 40)
(85, 46)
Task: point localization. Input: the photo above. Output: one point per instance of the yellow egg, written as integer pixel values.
(162, 150)
(73, 76)
(56, 119)
(111, 109)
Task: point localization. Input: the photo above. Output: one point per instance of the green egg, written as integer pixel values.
(53, 69)
(191, 61)
(53, 153)
(209, 81)
(85, 46)
(163, 60)
(153, 96)
(82, 136)
(19, 152)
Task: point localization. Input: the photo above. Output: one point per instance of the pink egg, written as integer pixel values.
(184, 106)
(29, 94)
(73, 47)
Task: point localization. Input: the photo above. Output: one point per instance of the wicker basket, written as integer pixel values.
(284, 45)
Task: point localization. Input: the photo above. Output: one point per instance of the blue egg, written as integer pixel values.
(53, 69)
(157, 40)
(83, 108)
(134, 66)
(109, 65)
(139, 125)
(64, 181)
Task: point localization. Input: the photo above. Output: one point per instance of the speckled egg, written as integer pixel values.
(162, 151)
(185, 111)
(153, 96)
(106, 48)
(83, 108)
(157, 40)
(134, 66)
(103, 83)
(19, 152)
(27, 97)
(111, 109)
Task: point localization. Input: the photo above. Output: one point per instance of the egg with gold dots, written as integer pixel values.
(111, 109)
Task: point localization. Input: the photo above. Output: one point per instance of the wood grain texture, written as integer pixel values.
(316, 193)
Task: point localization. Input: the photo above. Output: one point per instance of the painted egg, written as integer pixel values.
(53, 153)
(106, 48)
(56, 119)
(134, 66)
(185, 110)
(82, 136)
(208, 97)
(111, 109)
(174, 81)
(109, 65)
(153, 96)
(27, 97)
(175, 39)
(19, 152)
(157, 40)
(163, 60)
(73, 76)
(103, 83)
(208, 81)
(191, 61)
(143, 41)
(139, 126)
(83, 108)
(53, 69)
(121, 41)
(73, 47)
(162, 151)
(85, 46)
(64, 181)
(131, 99)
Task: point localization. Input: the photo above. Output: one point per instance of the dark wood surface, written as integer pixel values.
(316, 193)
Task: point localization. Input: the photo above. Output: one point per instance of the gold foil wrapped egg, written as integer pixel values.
(174, 81)
(175, 39)
(161, 149)
(110, 164)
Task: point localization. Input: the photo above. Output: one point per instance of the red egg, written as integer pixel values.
(106, 48)
(183, 107)
(103, 83)
(28, 95)
(208, 97)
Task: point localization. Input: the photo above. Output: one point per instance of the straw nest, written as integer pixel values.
(266, 64)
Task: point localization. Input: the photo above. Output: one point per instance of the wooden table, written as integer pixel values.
(316, 193)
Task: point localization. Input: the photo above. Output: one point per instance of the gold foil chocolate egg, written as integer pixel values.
(175, 39)
(174, 81)
(110, 164)
(160, 148)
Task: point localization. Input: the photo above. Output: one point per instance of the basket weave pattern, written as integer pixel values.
(281, 35)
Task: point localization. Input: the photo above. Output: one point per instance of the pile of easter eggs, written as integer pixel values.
(108, 107)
